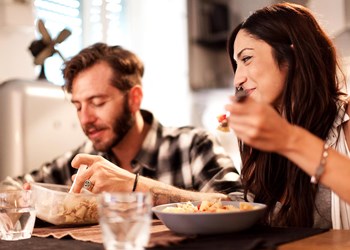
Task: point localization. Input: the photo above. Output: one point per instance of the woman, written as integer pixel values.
(282, 57)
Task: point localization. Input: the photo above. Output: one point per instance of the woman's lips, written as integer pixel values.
(249, 91)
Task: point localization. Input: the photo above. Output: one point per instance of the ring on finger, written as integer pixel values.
(88, 185)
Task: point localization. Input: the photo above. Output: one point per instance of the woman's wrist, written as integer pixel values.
(291, 141)
(303, 148)
(315, 178)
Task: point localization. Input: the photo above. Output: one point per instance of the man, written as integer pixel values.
(128, 148)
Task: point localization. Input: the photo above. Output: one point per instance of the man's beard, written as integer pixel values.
(121, 127)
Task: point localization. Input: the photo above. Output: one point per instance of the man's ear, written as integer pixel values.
(135, 98)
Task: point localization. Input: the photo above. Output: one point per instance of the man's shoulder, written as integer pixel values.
(187, 131)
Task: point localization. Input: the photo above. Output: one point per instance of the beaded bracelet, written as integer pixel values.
(135, 181)
(321, 167)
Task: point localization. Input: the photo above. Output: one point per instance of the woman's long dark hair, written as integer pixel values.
(309, 100)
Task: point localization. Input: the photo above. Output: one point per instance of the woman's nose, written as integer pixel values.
(239, 79)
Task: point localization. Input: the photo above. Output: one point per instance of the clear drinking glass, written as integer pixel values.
(17, 214)
(125, 220)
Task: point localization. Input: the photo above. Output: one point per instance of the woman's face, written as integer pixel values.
(257, 70)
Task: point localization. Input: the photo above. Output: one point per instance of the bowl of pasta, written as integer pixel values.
(209, 217)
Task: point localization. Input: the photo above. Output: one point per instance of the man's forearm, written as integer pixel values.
(164, 193)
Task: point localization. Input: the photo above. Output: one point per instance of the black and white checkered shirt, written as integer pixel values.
(186, 157)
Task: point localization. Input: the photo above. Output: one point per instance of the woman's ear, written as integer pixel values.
(135, 98)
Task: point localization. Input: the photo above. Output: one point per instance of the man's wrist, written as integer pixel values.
(135, 182)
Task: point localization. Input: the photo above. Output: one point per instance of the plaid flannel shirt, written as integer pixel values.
(185, 157)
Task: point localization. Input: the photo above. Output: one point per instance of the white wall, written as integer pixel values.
(157, 31)
(330, 14)
(16, 34)
(333, 17)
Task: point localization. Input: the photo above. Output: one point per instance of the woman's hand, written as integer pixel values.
(104, 175)
(259, 125)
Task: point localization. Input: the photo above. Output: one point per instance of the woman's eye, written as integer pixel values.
(246, 58)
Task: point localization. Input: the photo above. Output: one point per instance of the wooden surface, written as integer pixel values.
(331, 240)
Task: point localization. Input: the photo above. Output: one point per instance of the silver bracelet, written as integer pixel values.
(321, 167)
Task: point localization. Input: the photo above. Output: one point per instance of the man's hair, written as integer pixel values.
(127, 67)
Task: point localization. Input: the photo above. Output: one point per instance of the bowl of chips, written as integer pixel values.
(54, 204)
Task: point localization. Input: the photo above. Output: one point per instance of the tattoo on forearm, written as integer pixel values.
(163, 196)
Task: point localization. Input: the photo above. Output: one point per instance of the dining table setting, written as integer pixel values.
(258, 237)
(130, 221)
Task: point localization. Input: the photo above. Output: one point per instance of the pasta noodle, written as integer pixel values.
(208, 207)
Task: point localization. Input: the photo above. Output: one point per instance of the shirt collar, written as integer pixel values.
(146, 157)
(341, 118)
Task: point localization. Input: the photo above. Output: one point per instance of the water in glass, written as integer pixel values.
(125, 220)
(17, 214)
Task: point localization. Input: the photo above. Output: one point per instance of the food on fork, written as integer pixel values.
(223, 123)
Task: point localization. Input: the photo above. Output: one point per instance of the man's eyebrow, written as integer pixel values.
(240, 53)
(90, 98)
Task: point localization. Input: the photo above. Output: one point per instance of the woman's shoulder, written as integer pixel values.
(344, 107)
(346, 104)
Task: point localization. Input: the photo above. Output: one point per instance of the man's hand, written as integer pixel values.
(104, 175)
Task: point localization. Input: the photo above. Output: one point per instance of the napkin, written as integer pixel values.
(160, 234)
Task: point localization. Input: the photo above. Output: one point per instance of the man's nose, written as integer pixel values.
(86, 115)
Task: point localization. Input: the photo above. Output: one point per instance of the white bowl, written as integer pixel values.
(55, 205)
(208, 222)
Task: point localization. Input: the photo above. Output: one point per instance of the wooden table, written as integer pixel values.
(331, 240)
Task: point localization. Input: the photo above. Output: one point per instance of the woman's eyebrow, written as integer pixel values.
(240, 53)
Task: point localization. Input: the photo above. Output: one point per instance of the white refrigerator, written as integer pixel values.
(37, 124)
